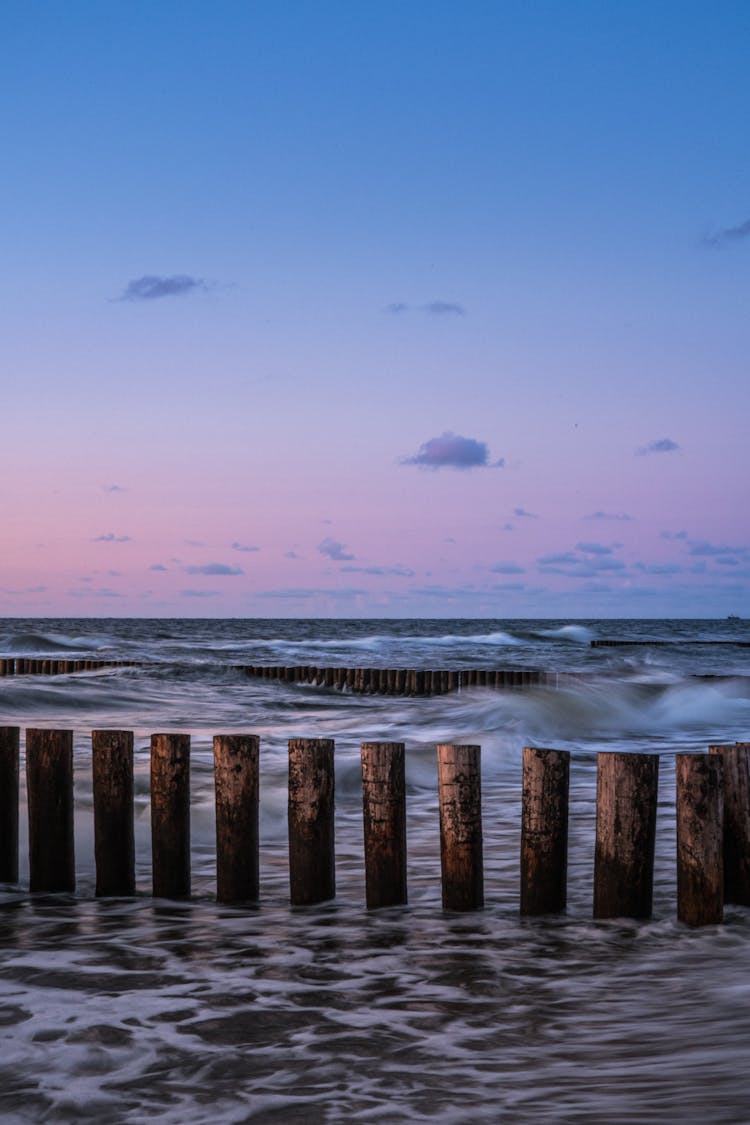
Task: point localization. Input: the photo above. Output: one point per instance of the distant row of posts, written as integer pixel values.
(712, 802)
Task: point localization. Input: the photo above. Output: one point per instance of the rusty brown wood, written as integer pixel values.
(9, 780)
(384, 809)
(312, 873)
(114, 842)
(700, 837)
(460, 802)
(49, 785)
(626, 797)
(544, 830)
(236, 777)
(170, 815)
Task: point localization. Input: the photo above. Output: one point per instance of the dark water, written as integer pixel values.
(135, 1010)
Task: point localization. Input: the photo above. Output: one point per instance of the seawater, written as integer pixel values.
(135, 1009)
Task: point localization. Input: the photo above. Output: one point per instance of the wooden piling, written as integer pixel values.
(384, 807)
(700, 836)
(114, 843)
(544, 830)
(460, 800)
(49, 784)
(312, 876)
(626, 796)
(170, 815)
(9, 759)
(736, 848)
(236, 775)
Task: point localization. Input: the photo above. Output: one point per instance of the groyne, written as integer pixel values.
(712, 798)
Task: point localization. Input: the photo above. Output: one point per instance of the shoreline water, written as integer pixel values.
(191, 1012)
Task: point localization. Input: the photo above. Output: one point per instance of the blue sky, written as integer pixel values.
(259, 260)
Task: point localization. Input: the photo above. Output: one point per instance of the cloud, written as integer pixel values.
(593, 549)
(151, 286)
(302, 593)
(444, 308)
(608, 516)
(110, 537)
(114, 488)
(570, 565)
(674, 535)
(396, 307)
(157, 566)
(397, 571)
(242, 547)
(452, 451)
(658, 568)
(214, 568)
(199, 593)
(729, 235)
(332, 549)
(507, 568)
(711, 550)
(663, 445)
(524, 515)
(291, 555)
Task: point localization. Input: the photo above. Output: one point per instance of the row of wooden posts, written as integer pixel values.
(712, 800)
(368, 681)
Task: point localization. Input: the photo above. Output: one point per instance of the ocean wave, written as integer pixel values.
(50, 642)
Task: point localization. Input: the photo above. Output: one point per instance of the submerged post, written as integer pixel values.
(700, 834)
(544, 830)
(114, 843)
(9, 758)
(170, 815)
(460, 800)
(312, 875)
(384, 808)
(236, 776)
(626, 796)
(736, 848)
(49, 783)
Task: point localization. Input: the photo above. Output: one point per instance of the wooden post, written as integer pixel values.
(544, 830)
(384, 807)
(626, 795)
(49, 783)
(170, 815)
(700, 837)
(114, 843)
(236, 775)
(736, 849)
(9, 757)
(312, 874)
(460, 800)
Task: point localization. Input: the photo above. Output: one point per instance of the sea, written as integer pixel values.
(136, 1009)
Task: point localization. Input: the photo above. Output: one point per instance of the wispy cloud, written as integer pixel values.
(110, 537)
(151, 287)
(214, 568)
(522, 514)
(396, 571)
(397, 307)
(572, 565)
(452, 451)
(593, 549)
(114, 488)
(608, 516)
(712, 550)
(674, 535)
(243, 547)
(662, 445)
(199, 593)
(158, 566)
(332, 549)
(291, 555)
(304, 593)
(507, 568)
(729, 234)
(444, 308)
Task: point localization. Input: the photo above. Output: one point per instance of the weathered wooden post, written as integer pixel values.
(312, 874)
(626, 797)
(236, 776)
(544, 830)
(700, 837)
(114, 843)
(736, 761)
(49, 784)
(384, 807)
(170, 815)
(460, 800)
(9, 758)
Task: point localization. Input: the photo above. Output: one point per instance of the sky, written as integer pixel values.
(380, 309)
